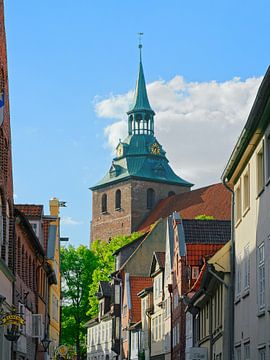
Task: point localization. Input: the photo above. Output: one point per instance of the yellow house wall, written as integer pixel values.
(55, 290)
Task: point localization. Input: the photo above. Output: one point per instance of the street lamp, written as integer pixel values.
(46, 343)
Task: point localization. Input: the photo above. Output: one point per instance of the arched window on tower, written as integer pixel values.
(171, 193)
(104, 203)
(150, 198)
(118, 199)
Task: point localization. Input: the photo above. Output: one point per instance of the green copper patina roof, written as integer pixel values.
(135, 160)
(140, 156)
(141, 102)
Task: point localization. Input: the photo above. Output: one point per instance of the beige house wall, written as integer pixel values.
(252, 229)
(157, 328)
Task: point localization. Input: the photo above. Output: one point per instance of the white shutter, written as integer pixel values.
(37, 326)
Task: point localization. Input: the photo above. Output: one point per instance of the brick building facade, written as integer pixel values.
(6, 193)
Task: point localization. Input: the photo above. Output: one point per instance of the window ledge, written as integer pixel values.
(118, 209)
(238, 222)
(260, 193)
(245, 293)
(246, 211)
(261, 312)
(237, 300)
(104, 212)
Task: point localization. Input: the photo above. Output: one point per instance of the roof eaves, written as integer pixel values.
(137, 249)
(257, 120)
(27, 224)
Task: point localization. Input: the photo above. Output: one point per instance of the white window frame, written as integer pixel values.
(260, 170)
(261, 276)
(238, 285)
(246, 283)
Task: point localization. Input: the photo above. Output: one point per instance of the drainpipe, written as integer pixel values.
(170, 289)
(231, 287)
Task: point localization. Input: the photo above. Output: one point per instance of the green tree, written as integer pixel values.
(204, 217)
(77, 267)
(105, 264)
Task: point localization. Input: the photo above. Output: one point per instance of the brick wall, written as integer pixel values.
(133, 207)
(6, 183)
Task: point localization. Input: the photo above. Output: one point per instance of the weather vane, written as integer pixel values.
(140, 43)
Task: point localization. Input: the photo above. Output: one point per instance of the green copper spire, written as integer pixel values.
(141, 101)
(141, 116)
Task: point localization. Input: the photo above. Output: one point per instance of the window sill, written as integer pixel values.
(104, 213)
(245, 293)
(260, 193)
(246, 211)
(237, 223)
(118, 209)
(261, 312)
(237, 300)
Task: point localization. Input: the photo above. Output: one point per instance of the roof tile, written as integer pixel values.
(214, 200)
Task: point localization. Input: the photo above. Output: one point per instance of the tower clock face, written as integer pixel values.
(155, 149)
(120, 151)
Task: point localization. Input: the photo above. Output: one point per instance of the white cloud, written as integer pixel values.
(67, 220)
(197, 123)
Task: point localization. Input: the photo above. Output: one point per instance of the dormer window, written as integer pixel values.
(35, 227)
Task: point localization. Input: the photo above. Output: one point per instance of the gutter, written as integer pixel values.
(232, 279)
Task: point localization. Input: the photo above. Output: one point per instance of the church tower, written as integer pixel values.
(139, 177)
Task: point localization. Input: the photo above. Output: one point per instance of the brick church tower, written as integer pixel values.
(139, 177)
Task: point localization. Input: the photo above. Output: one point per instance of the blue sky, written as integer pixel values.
(67, 57)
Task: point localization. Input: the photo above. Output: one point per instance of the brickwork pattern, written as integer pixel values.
(6, 182)
(133, 210)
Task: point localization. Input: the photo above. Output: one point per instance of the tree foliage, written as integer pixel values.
(204, 217)
(77, 267)
(105, 264)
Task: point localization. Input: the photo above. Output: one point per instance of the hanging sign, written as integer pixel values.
(12, 319)
(62, 350)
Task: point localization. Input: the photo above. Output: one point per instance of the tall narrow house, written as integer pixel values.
(6, 192)
(139, 177)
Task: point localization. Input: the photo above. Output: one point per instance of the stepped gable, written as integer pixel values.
(214, 200)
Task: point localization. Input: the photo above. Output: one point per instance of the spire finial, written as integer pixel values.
(140, 44)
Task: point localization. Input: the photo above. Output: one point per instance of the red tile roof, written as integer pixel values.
(160, 256)
(196, 252)
(137, 283)
(30, 209)
(46, 224)
(195, 287)
(214, 200)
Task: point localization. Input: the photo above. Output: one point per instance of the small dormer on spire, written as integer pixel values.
(141, 116)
